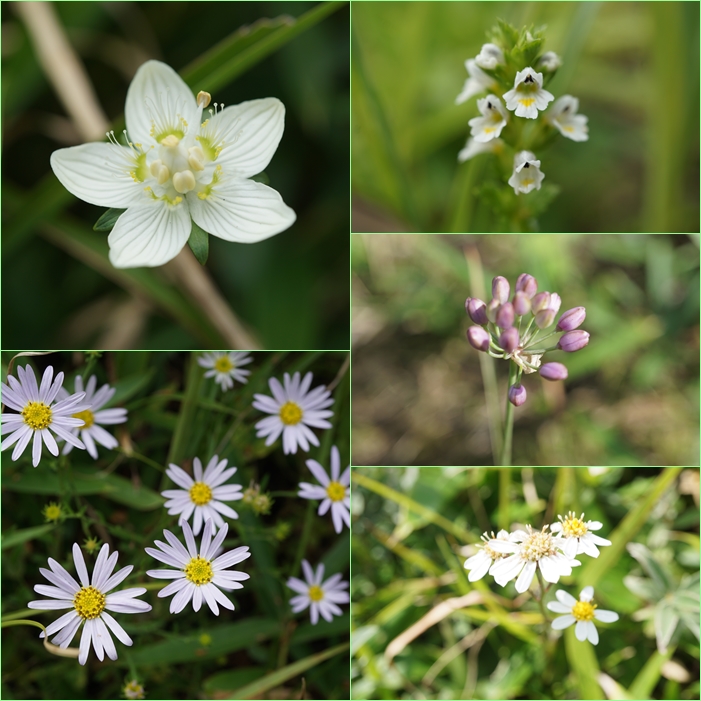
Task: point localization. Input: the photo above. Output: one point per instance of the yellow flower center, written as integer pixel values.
(86, 416)
(336, 491)
(37, 415)
(526, 101)
(538, 544)
(223, 364)
(573, 527)
(199, 571)
(200, 493)
(89, 603)
(290, 413)
(583, 611)
(316, 593)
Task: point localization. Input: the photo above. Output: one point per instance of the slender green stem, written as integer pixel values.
(508, 421)
(539, 599)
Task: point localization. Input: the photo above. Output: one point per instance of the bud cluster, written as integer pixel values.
(514, 328)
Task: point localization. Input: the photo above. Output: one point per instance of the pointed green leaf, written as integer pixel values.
(666, 619)
(107, 221)
(199, 243)
(652, 568)
(9, 540)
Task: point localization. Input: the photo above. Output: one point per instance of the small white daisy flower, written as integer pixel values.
(531, 550)
(91, 431)
(563, 116)
(527, 96)
(489, 57)
(38, 414)
(319, 597)
(480, 563)
(477, 83)
(225, 367)
(474, 148)
(90, 603)
(527, 175)
(492, 121)
(204, 495)
(335, 492)
(199, 576)
(581, 612)
(294, 409)
(576, 532)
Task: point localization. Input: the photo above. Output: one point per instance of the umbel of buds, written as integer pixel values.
(516, 328)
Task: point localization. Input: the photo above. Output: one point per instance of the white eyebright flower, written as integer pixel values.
(199, 575)
(320, 598)
(91, 431)
(528, 96)
(226, 367)
(175, 169)
(492, 121)
(489, 57)
(576, 532)
(335, 492)
(549, 61)
(203, 496)
(39, 416)
(474, 148)
(531, 550)
(477, 83)
(89, 602)
(527, 175)
(293, 410)
(581, 612)
(563, 116)
(480, 563)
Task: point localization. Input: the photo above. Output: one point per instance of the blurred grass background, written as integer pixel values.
(289, 290)
(421, 630)
(632, 396)
(633, 65)
(176, 414)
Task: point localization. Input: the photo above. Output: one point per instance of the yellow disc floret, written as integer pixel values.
(290, 413)
(37, 415)
(199, 571)
(538, 544)
(573, 527)
(87, 416)
(583, 611)
(200, 493)
(336, 491)
(89, 603)
(223, 364)
(316, 593)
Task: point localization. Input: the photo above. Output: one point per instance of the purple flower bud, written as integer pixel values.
(491, 310)
(528, 284)
(571, 319)
(540, 301)
(517, 395)
(555, 302)
(478, 338)
(573, 341)
(509, 340)
(505, 316)
(500, 289)
(477, 310)
(544, 318)
(522, 303)
(553, 371)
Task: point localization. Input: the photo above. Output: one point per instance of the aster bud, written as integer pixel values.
(500, 289)
(540, 301)
(528, 284)
(505, 316)
(571, 319)
(573, 341)
(478, 338)
(491, 310)
(517, 394)
(522, 303)
(476, 310)
(553, 371)
(544, 318)
(509, 340)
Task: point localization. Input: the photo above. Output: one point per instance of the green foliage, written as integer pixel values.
(107, 221)
(199, 243)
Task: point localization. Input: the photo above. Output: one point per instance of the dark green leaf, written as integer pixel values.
(107, 221)
(199, 243)
(17, 537)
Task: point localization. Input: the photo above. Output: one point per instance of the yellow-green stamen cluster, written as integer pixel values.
(37, 415)
(200, 493)
(316, 593)
(573, 527)
(86, 416)
(89, 603)
(290, 413)
(537, 545)
(223, 364)
(336, 491)
(199, 571)
(583, 611)
(52, 511)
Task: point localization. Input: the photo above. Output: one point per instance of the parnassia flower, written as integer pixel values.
(492, 121)
(334, 492)
(319, 597)
(39, 416)
(225, 367)
(582, 612)
(175, 168)
(527, 96)
(563, 116)
(89, 602)
(578, 536)
(527, 175)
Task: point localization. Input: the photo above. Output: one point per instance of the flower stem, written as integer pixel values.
(509, 421)
(546, 618)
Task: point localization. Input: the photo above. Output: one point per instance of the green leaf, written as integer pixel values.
(651, 566)
(649, 675)
(643, 588)
(666, 620)
(256, 689)
(107, 221)
(231, 679)
(9, 540)
(199, 243)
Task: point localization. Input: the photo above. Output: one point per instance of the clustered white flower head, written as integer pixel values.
(225, 367)
(175, 169)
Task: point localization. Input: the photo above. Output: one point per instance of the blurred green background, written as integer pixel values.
(633, 65)
(632, 396)
(421, 630)
(176, 414)
(291, 290)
